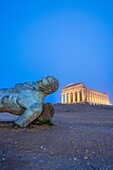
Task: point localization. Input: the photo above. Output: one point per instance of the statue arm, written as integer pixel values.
(30, 114)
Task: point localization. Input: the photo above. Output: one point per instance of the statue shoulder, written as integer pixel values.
(25, 86)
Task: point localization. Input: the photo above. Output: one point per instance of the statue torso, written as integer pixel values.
(16, 100)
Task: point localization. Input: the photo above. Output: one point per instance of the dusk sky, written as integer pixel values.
(71, 40)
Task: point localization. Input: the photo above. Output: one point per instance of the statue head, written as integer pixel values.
(48, 84)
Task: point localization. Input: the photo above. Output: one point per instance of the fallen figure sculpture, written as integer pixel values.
(27, 100)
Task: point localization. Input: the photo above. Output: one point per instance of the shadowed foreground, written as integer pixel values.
(81, 139)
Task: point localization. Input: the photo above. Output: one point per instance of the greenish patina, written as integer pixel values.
(27, 99)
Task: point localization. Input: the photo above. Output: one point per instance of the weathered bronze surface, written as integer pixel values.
(27, 99)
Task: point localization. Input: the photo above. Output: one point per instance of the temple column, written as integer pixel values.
(97, 98)
(87, 96)
(69, 98)
(104, 102)
(93, 98)
(83, 95)
(63, 98)
(66, 97)
(90, 96)
(108, 100)
(74, 97)
(78, 96)
(101, 99)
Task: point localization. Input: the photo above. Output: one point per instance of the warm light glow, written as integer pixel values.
(78, 93)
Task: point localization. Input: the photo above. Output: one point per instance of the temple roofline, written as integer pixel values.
(73, 84)
(106, 93)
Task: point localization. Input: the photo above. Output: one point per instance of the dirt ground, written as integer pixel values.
(81, 139)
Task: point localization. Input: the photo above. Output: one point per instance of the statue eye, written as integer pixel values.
(49, 81)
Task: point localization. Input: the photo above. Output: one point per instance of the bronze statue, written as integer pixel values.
(27, 100)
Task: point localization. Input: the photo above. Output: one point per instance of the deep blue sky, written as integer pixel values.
(69, 39)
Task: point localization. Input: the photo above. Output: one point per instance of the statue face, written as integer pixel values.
(48, 84)
(43, 82)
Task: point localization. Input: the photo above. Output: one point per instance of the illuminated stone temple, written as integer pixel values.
(78, 93)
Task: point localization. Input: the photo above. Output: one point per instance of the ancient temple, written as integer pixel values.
(78, 93)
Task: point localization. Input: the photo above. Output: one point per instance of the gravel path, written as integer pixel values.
(81, 139)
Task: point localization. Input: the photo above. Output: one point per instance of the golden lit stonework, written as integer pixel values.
(78, 93)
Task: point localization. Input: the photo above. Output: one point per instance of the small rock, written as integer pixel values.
(86, 151)
(51, 153)
(41, 147)
(41, 161)
(15, 142)
(85, 157)
(74, 159)
(28, 151)
(70, 159)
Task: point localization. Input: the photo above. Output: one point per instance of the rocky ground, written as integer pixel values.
(81, 139)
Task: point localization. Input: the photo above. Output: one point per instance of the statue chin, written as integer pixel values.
(45, 91)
